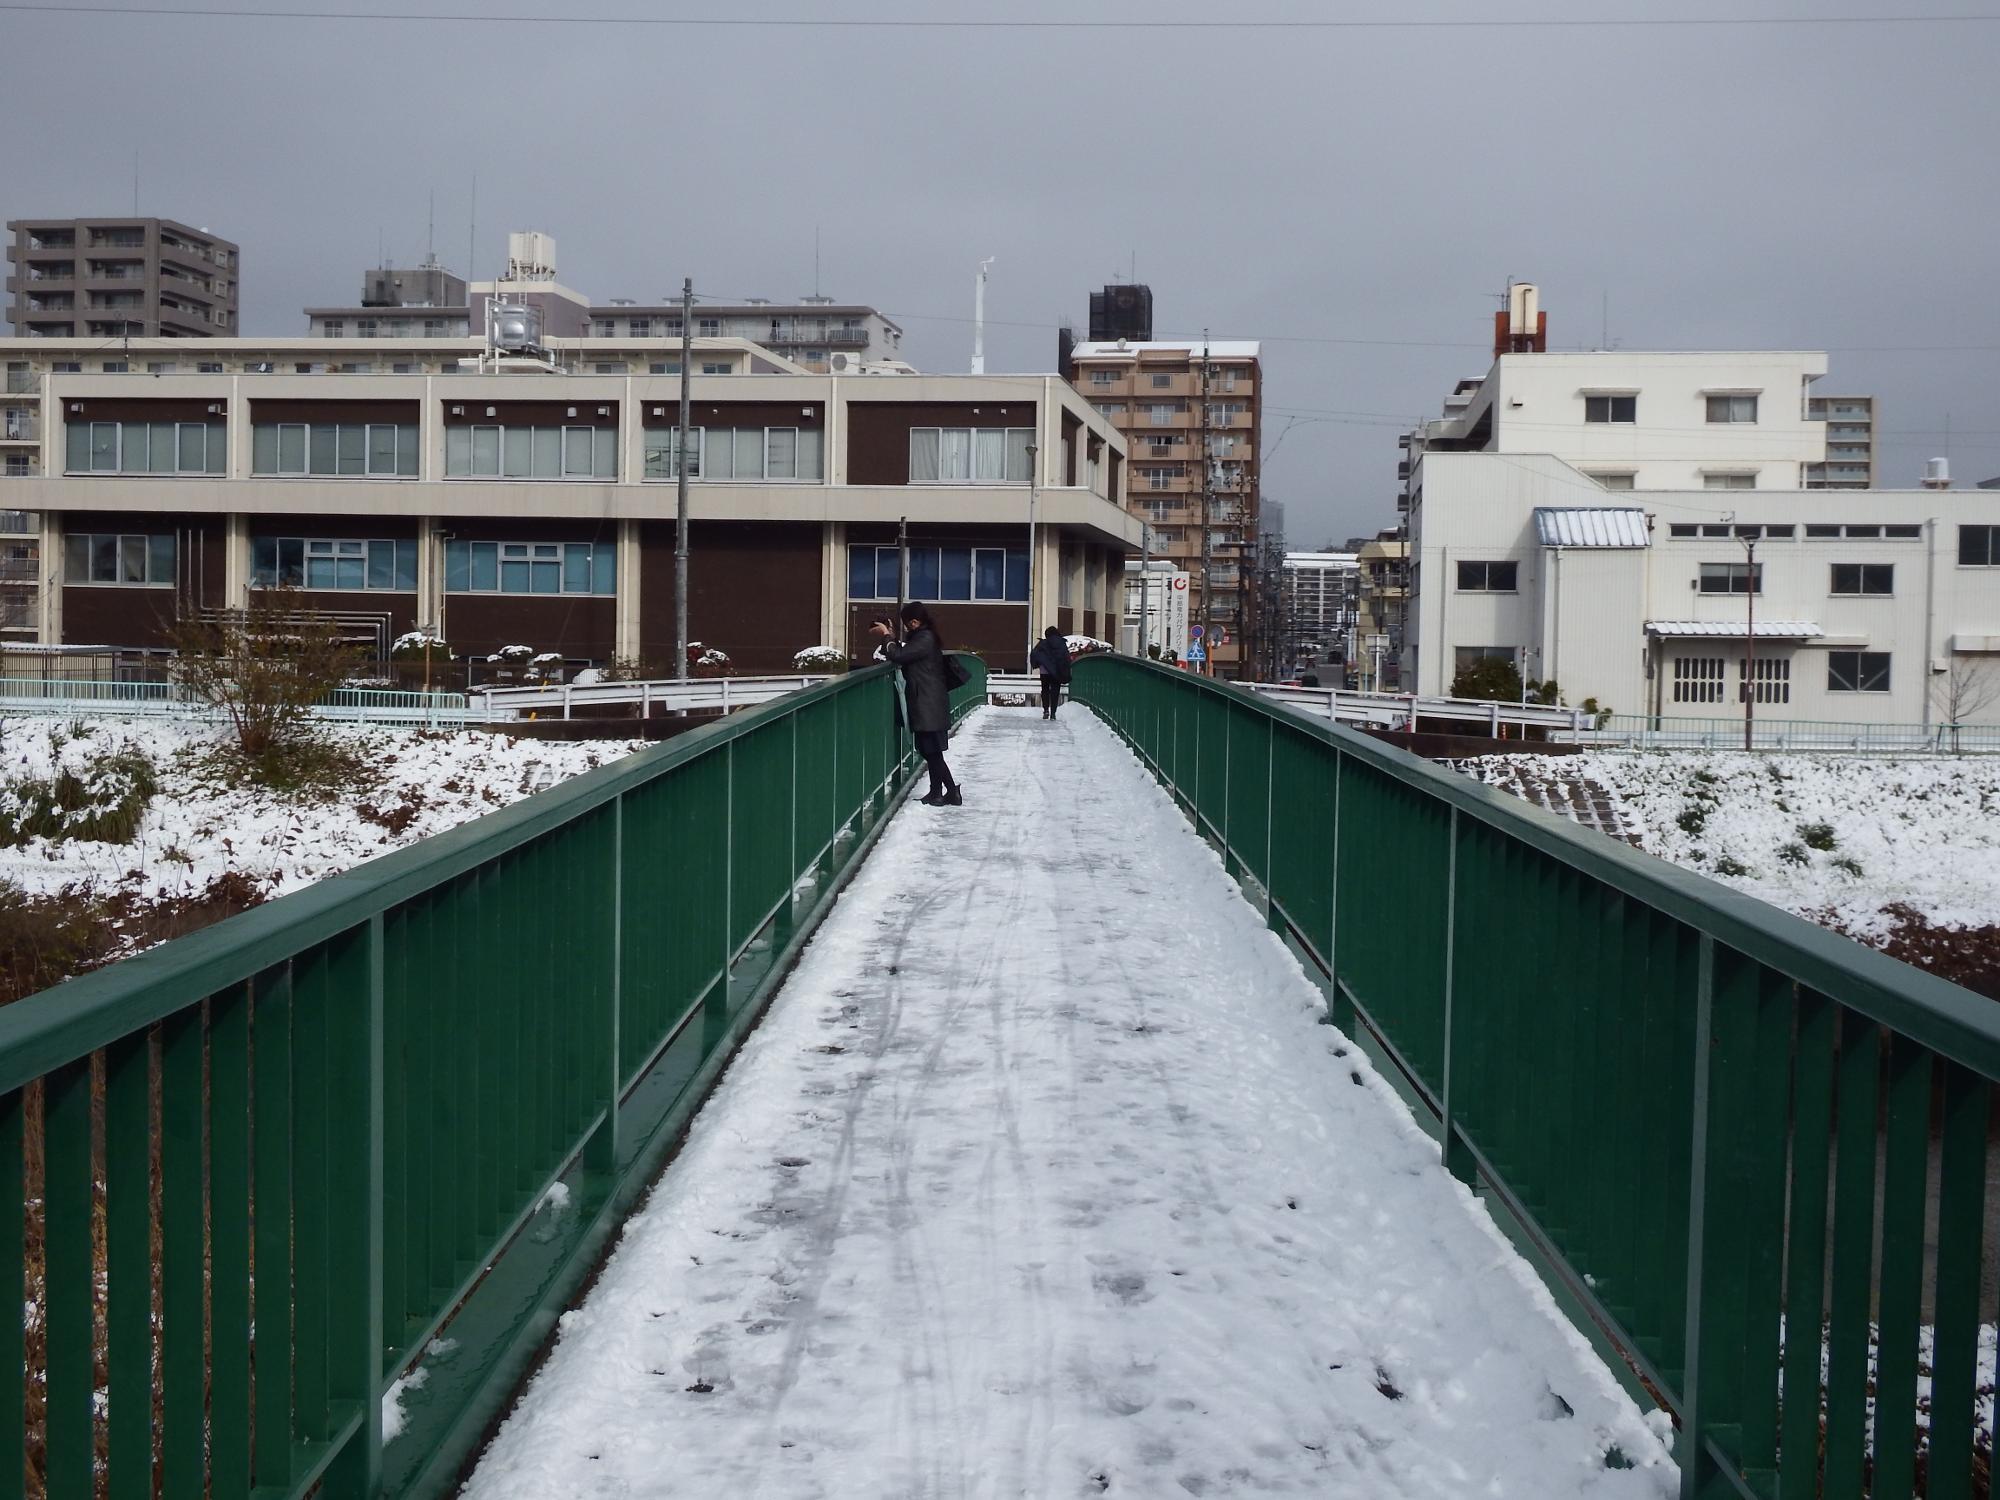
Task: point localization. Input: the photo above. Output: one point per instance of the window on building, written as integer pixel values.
(1697, 679)
(377, 450)
(1222, 380)
(708, 328)
(1866, 533)
(1610, 408)
(208, 367)
(1784, 530)
(969, 455)
(1772, 676)
(367, 328)
(1732, 408)
(980, 575)
(530, 567)
(1979, 546)
(716, 367)
(1487, 577)
(67, 367)
(1728, 479)
(16, 465)
(1816, 530)
(1683, 528)
(739, 453)
(515, 451)
(1162, 382)
(642, 328)
(608, 367)
(1732, 578)
(1903, 533)
(101, 557)
(1864, 578)
(353, 565)
(1103, 378)
(1161, 442)
(1618, 479)
(1466, 656)
(1857, 671)
(333, 328)
(604, 328)
(146, 447)
(116, 366)
(1163, 413)
(1161, 477)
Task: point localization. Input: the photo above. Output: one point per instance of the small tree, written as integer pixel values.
(1964, 690)
(266, 667)
(1490, 678)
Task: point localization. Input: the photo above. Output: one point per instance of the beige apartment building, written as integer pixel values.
(1192, 416)
(119, 278)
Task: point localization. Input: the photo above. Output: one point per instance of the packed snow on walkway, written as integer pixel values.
(1841, 839)
(1041, 1179)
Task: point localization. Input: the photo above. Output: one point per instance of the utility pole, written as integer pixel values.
(681, 487)
(1034, 484)
(1207, 521)
(1146, 590)
(1747, 536)
(902, 561)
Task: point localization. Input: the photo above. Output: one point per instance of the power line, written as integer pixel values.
(926, 23)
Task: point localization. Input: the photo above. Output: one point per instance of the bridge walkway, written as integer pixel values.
(1041, 1178)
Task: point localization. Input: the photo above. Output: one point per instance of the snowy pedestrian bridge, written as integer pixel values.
(1220, 1103)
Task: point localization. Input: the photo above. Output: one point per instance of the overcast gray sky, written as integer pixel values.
(1356, 198)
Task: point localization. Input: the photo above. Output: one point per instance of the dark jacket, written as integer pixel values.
(1051, 658)
(922, 661)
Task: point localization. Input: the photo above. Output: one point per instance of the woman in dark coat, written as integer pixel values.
(926, 699)
(1051, 658)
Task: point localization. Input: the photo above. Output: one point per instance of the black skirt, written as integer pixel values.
(932, 741)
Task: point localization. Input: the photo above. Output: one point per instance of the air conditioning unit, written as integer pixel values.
(842, 364)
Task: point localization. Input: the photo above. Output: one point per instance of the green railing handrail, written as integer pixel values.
(372, 1085)
(1649, 1072)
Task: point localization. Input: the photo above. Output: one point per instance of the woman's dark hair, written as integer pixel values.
(1052, 634)
(917, 616)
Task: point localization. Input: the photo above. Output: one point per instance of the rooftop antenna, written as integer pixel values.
(431, 231)
(979, 319)
(815, 260)
(472, 232)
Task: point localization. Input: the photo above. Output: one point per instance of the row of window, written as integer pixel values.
(1816, 531)
(1218, 380)
(103, 557)
(1700, 679)
(738, 453)
(1716, 578)
(1720, 409)
(147, 447)
(530, 568)
(333, 563)
(517, 451)
(983, 574)
(381, 450)
(970, 455)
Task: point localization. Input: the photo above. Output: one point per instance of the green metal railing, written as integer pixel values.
(252, 1174)
(1685, 1098)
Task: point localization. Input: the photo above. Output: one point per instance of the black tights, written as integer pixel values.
(1051, 695)
(931, 747)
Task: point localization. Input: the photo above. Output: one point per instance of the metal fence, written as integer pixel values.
(251, 1175)
(1648, 732)
(52, 696)
(1685, 1098)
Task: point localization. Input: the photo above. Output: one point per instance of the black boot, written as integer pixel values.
(932, 798)
(953, 799)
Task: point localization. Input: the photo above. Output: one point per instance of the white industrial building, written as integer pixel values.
(1585, 515)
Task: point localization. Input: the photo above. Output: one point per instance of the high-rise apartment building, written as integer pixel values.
(1192, 416)
(1322, 596)
(1123, 310)
(119, 278)
(1850, 442)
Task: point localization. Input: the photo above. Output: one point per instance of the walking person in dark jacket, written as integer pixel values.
(926, 698)
(1051, 658)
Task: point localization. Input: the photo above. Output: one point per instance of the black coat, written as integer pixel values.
(1051, 658)
(922, 660)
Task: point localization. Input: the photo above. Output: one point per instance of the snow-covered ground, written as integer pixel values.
(1042, 1179)
(1837, 838)
(197, 829)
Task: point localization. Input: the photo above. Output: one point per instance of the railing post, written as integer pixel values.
(601, 1150)
(356, 1474)
(1340, 1008)
(1697, 1468)
(1457, 1155)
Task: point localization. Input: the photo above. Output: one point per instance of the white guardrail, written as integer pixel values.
(1403, 710)
(666, 695)
(53, 697)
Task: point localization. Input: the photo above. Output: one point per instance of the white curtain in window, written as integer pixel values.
(548, 453)
(923, 455)
(1019, 462)
(749, 453)
(518, 453)
(486, 452)
(955, 453)
(811, 448)
(989, 454)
